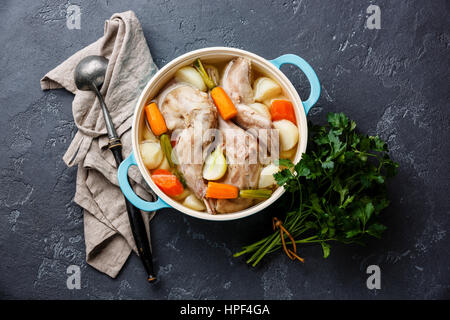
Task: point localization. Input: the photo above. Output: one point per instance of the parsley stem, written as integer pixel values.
(276, 240)
(366, 153)
(261, 248)
(307, 240)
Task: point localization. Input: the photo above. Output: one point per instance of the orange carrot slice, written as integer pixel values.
(223, 103)
(282, 109)
(155, 119)
(167, 182)
(217, 190)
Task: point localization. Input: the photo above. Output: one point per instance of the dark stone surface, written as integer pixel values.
(394, 82)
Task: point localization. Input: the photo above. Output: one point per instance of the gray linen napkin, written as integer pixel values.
(107, 231)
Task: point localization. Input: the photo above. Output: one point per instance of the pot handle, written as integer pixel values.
(308, 71)
(124, 184)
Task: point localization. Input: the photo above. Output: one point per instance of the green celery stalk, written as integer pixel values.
(166, 148)
(255, 194)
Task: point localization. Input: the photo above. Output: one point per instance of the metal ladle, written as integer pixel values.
(89, 76)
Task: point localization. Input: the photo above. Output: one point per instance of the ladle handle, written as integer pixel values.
(112, 134)
(136, 222)
(134, 214)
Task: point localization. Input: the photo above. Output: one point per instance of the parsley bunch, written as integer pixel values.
(338, 189)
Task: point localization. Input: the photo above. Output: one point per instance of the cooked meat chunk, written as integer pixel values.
(237, 84)
(243, 168)
(192, 112)
(236, 81)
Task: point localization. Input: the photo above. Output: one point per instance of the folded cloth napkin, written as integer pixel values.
(107, 231)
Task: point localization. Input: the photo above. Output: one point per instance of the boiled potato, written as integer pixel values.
(266, 178)
(147, 134)
(182, 196)
(288, 154)
(288, 134)
(164, 164)
(261, 109)
(152, 154)
(192, 202)
(265, 88)
(268, 102)
(191, 76)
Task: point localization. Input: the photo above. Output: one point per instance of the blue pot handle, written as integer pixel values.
(128, 191)
(308, 71)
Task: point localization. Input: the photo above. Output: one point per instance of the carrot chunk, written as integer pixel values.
(282, 109)
(155, 119)
(223, 103)
(167, 182)
(217, 190)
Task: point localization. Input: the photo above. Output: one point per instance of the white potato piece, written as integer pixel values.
(152, 154)
(191, 76)
(261, 109)
(192, 202)
(182, 196)
(266, 178)
(268, 102)
(288, 134)
(164, 164)
(288, 154)
(215, 165)
(265, 88)
(147, 134)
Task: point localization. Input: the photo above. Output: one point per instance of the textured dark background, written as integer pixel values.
(394, 82)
